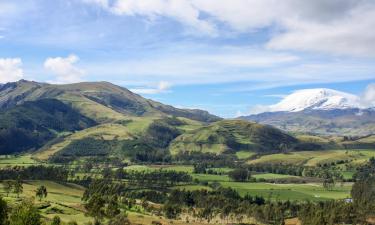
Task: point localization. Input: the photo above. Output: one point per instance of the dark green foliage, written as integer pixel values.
(159, 134)
(330, 212)
(41, 192)
(214, 160)
(95, 207)
(56, 220)
(72, 223)
(32, 124)
(87, 147)
(363, 190)
(35, 173)
(25, 214)
(171, 211)
(239, 175)
(112, 209)
(3, 211)
(120, 219)
(18, 187)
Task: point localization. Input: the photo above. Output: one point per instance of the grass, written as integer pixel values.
(91, 109)
(271, 176)
(244, 154)
(20, 160)
(108, 131)
(313, 158)
(210, 177)
(64, 200)
(290, 191)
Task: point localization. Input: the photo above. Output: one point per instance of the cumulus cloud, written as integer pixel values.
(368, 97)
(335, 26)
(64, 69)
(10, 69)
(162, 87)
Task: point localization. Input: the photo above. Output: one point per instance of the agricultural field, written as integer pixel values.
(313, 158)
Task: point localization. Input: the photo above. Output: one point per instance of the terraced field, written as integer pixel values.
(313, 158)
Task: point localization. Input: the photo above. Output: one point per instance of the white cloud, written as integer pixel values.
(181, 10)
(162, 87)
(10, 69)
(334, 26)
(368, 97)
(64, 69)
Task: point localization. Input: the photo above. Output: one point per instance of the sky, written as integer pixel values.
(227, 57)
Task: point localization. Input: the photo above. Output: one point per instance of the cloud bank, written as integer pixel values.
(10, 69)
(335, 26)
(64, 69)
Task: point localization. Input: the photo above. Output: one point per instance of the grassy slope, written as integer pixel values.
(66, 198)
(121, 130)
(231, 134)
(104, 131)
(312, 158)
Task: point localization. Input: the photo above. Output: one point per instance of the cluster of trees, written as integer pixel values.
(206, 158)
(35, 173)
(14, 186)
(156, 178)
(239, 175)
(25, 213)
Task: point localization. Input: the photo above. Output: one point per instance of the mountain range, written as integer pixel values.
(319, 111)
(99, 119)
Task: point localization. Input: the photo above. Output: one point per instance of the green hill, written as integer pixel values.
(32, 124)
(233, 136)
(140, 139)
(101, 101)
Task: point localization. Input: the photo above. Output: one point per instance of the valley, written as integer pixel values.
(103, 153)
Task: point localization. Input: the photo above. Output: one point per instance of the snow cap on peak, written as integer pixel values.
(318, 99)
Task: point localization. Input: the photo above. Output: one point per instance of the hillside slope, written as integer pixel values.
(101, 101)
(233, 136)
(32, 124)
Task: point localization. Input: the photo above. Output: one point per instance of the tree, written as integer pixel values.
(8, 185)
(3, 211)
(56, 220)
(112, 207)
(72, 223)
(328, 183)
(25, 214)
(95, 207)
(41, 192)
(18, 188)
(239, 175)
(120, 219)
(171, 211)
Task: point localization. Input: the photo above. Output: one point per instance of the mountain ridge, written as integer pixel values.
(116, 101)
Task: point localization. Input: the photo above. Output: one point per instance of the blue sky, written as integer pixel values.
(223, 56)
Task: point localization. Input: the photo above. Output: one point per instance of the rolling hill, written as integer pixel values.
(233, 136)
(100, 101)
(32, 124)
(35, 113)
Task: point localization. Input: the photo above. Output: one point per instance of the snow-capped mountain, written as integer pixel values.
(319, 111)
(316, 99)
